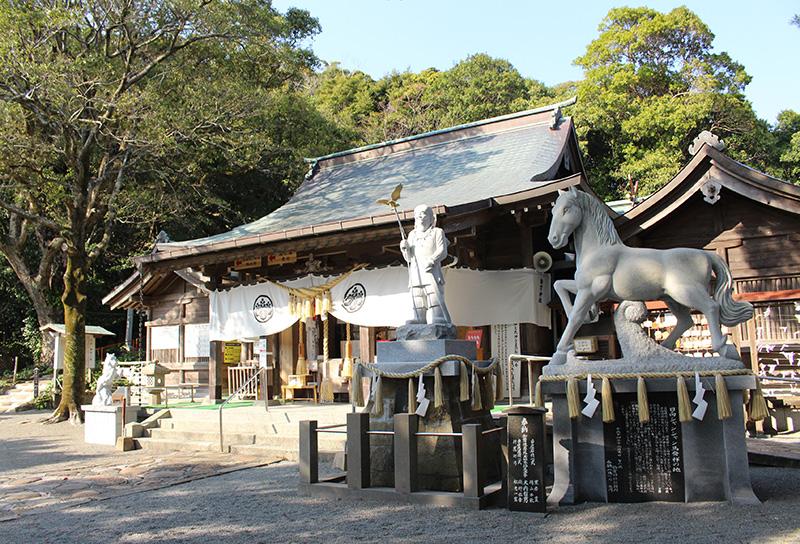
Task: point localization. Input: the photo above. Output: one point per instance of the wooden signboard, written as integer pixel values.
(276, 259)
(585, 344)
(244, 264)
(644, 461)
(526, 461)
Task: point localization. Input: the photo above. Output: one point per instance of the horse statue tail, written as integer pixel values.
(731, 312)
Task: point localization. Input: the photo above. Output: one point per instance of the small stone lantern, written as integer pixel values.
(153, 377)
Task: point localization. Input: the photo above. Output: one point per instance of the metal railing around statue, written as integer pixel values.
(406, 481)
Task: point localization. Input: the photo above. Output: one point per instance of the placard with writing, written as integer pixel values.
(526, 462)
(644, 461)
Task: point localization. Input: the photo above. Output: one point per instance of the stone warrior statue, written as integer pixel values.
(424, 251)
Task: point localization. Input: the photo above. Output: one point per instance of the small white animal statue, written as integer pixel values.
(106, 381)
(605, 268)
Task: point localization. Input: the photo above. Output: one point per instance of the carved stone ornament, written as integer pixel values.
(706, 137)
(711, 190)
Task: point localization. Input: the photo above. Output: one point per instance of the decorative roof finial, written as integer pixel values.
(706, 137)
(555, 118)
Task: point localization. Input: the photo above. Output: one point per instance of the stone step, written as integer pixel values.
(199, 436)
(167, 445)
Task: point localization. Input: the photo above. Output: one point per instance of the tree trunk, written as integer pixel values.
(37, 291)
(74, 302)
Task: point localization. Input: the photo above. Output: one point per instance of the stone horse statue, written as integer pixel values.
(605, 268)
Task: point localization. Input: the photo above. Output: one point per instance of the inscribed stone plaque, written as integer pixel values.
(644, 461)
(526, 462)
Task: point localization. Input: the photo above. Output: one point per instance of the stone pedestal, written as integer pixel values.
(440, 457)
(627, 461)
(103, 424)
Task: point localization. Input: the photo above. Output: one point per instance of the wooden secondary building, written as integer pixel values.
(752, 221)
(491, 184)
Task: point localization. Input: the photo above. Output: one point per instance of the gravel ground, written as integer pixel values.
(262, 505)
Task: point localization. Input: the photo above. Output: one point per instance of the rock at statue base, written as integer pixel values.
(440, 457)
(424, 331)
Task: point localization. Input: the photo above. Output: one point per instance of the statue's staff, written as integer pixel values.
(392, 203)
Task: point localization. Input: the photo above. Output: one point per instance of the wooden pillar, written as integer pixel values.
(526, 330)
(215, 369)
(366, 341)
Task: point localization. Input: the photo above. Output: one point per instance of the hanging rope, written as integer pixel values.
(326, 387)
(428, 367)
(305, 302)
(302, 365)
(347, 367)
(479, 373)
(757, 408)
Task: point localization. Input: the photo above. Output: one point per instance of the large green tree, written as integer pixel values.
(402, 104)
(652, 83)
(106, 104)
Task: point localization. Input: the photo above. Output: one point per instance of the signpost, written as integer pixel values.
(526, 460)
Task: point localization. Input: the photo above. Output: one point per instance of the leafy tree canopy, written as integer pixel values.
(652, 83)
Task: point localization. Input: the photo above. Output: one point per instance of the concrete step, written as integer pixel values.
(198, 436)
(324, 414)
(292, 443)
(275, 453)
(167, 445)
(212, 425)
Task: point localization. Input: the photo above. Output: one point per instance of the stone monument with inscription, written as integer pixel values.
(626, 430)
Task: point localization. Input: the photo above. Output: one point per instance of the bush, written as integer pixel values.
(46, 398)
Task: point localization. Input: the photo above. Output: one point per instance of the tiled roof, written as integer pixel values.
(448, 168)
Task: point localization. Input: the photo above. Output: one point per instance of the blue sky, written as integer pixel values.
(541, 39)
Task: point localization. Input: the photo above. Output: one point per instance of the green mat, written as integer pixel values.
(201, 406)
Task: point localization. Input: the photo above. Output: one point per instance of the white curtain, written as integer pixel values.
(380, 298)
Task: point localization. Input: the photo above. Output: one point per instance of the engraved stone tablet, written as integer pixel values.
(644, 461)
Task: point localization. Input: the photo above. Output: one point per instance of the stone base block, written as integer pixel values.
(103, 424)
(423, 351)
(664, 459)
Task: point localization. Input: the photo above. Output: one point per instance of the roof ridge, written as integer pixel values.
(443, 143)
(497, 119)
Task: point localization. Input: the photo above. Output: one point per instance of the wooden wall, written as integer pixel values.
(179, 304)
(756, 240)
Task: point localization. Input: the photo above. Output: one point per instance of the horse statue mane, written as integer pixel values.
(596, 218)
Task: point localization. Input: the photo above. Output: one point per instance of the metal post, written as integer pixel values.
(531, 385)
(471, 445)
(14, 378)
(309, 459)
(35, 382)
(405, 453)
(358, 460)
(265, 388)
